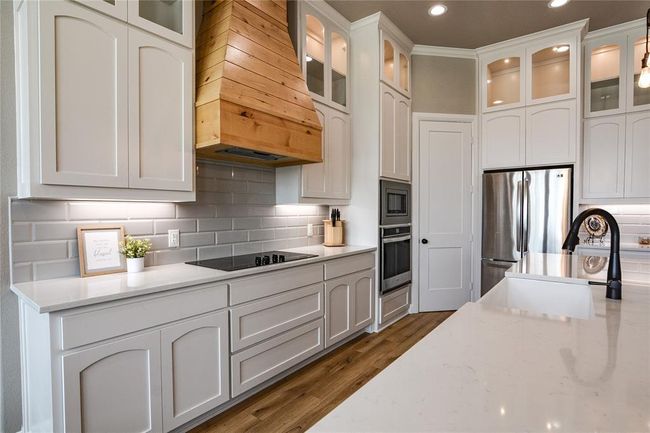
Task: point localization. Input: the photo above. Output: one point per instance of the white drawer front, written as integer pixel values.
(266, 318)
(394, 304)
(96, 324)
(259, 363)
(349, 265)
(272, 283)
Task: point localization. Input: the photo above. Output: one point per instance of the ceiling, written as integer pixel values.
(473, 24)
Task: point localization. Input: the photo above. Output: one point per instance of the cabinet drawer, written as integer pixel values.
(394, 304)
(259, 363)
(349, 265)
(98, 324)
(272, 283)
(266, 318)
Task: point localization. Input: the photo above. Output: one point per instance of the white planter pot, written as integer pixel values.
(135, 265)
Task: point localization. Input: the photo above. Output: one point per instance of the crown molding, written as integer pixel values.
(430, 50)
(581, 25)
(382, 22)
(328, 12)
(618, 28)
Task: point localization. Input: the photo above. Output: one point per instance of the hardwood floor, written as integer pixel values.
(297, 402)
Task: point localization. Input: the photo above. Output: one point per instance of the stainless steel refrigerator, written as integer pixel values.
(523, 211)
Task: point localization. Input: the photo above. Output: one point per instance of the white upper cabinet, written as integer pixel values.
(605, 79)
(339, 154)
(83, 88)
(93, 122)
(171, 19)
(502, 80)
(395, 65)
(604, 157)
(551, 135)
(637, 155)
(503, 139)
(160, 123)
(638, 99)
(395, 136)
(551, 70)
(314, 176)
(325, 46)
(115, 8)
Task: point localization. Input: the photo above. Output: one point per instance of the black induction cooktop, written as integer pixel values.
(234, 263)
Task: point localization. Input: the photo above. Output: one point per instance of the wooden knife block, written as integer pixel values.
(334, 235)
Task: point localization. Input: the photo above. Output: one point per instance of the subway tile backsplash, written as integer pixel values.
(235, 213)
(633, 221)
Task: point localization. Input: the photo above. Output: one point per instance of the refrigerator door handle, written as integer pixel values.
(518, 206)
(525, 212)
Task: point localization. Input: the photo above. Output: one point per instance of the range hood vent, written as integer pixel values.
(253, 154)
(252, 102)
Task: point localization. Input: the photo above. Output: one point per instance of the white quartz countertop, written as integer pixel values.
(579, 268)
(489, 369)
(64, 293)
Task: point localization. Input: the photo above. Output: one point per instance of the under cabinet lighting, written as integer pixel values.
(497, 102)
(557, 3)
(506, 61)
(489, 81)
(437, 10)
(644, 78)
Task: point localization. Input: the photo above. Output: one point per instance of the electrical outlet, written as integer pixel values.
(173, 238)
(310, 230)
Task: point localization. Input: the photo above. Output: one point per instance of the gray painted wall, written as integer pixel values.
(443, 85)
(10, 412)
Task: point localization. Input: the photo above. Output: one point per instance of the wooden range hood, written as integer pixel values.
(252, 102)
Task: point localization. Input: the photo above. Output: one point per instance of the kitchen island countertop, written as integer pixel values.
(489, 369)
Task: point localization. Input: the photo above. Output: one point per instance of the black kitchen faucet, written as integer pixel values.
(614, 286)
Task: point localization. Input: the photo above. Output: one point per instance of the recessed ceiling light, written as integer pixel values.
(437, 10)
(557, 3)
(561, 49)
(308, 58)
(497, 102)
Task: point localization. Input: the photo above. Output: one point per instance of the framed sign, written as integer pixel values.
(99, 249)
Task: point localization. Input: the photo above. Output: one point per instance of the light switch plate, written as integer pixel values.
(173, 238)
(310, 230)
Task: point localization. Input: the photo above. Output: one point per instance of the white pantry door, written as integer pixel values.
(445, 220)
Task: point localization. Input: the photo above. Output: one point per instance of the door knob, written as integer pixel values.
(425, 241)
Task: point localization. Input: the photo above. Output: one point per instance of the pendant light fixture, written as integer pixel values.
(644, 78)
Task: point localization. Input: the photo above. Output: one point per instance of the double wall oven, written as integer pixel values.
(395, 235)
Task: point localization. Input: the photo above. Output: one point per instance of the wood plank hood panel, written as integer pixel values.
(252, 102)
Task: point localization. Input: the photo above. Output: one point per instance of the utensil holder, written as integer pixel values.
(334, 235)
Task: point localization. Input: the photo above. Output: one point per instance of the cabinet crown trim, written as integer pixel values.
(382, 21)
(616, 29)
(431, 50)
(581, 25)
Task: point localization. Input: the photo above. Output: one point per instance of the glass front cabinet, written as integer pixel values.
(551, 70)
(325, 58)
(395, 65)
(638, 99)
(503, 80)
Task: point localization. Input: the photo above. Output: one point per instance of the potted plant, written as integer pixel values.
(134, 250)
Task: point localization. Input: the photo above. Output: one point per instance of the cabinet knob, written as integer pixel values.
(425, 241)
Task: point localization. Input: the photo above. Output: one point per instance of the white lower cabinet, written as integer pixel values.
(503, 139)
(604, 157)
(637, 155)
(349, 305)
(114, 387)
(195, 368)
(394, 304)
(551, 133)
(259, 363)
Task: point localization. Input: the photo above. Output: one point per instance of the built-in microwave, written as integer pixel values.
(395, 203)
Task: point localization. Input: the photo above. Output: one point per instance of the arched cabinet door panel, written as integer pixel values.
(160, 122)
(604, 157)
(195, 368)
(637, 155)
(363, 285)
(83, 90)
(338, 308)
(114, 387)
